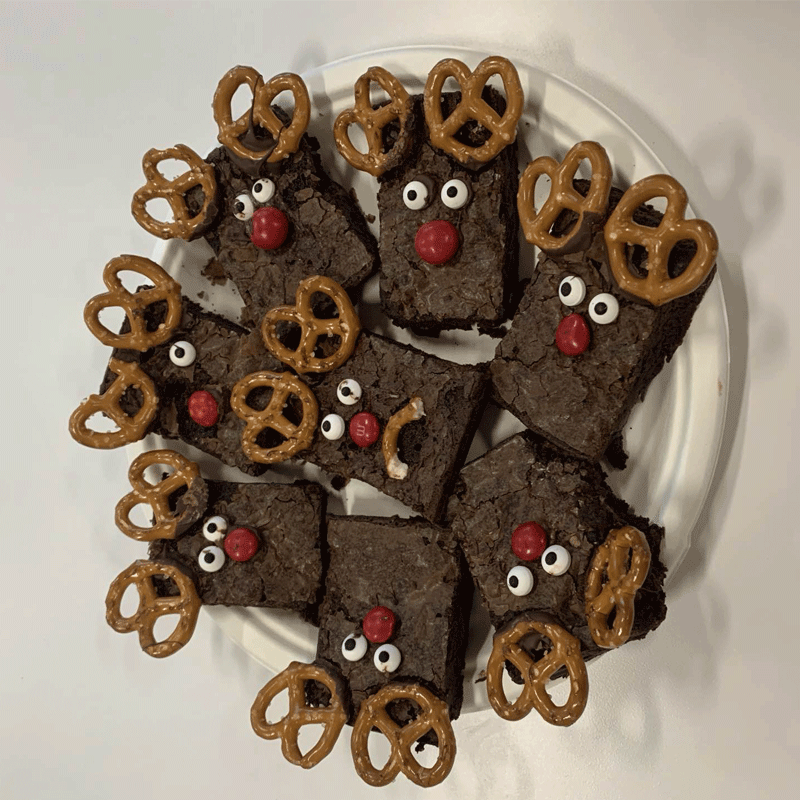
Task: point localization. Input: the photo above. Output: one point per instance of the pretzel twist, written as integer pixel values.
(372, 121)
(135, 304)
(167, 523)
(563, 196)
(473, 107)
(286, 137)
(174, 191)
(346, 326)
(566, 652)
(413, 410)
(131, 428)
(619, 592)
(620, 231)
(433, 715)
(287, 729)
(186, 604)
(296, 437)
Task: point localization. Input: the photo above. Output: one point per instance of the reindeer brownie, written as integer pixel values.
(447, 168)
(563, 566)
(263, 201)
(214, 542)
(390, 653)
(389, 415)
(615, 289)
(173, 371)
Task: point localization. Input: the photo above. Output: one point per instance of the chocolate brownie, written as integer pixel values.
(521, 481)
(206, 354)
(414, 573)
(357, 400)
(257, 544)
(474, 285)
(580, 402)
(327, 232)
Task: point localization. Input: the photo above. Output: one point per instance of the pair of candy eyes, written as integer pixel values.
(387, 657)
(603, 307)
(262, 192)
(555, 561)
(418, 194)
(348, 392)
(212, 557)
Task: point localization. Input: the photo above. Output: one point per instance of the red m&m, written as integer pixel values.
(378, 624)
(528, 541)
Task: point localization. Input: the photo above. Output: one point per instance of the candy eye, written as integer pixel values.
(215, 528)
(387, 658)
(243, 207)
(348, 392)
(455, 194)
(604, 308)
(182, 354)
(556, 560)
(354, 647)
(211, 559)
(571, 290)
(416, 195)
(263, 191)
(520, 581)
(332, 426)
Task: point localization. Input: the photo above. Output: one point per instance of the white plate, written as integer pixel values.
(672, 438)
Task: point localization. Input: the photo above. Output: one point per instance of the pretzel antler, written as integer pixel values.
(536, 224)
(286, 138)
(135, 304)
(332, 717)
(657, 287)
(372, 121)
(503, 128)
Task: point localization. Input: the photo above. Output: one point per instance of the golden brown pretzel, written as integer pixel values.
(286, 138)
(433, 716)
(297, 437)
(135, 304)
(414, 409)
(473, 107)
(174, 191)
(332, 717)
(536, 225)
(566, 652)
(131, 428)
(168, 523)
(346, 326)
(620, 231)
(619, 592)
(372, 121)
(186, 604)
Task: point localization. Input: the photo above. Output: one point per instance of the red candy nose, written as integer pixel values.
(241, 544)
(203, 408)
(528, 541)
(436, 241)
(270, 228)
(572, 335)
(364, 429)
(378, 624)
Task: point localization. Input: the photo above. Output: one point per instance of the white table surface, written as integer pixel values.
(706, 707)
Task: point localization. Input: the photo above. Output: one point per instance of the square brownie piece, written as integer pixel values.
(223, 354)
(379, 379)
(581, 402)
(415, 570)
(524, 481)
(327, 232)
(285, 524)
(472, 286)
